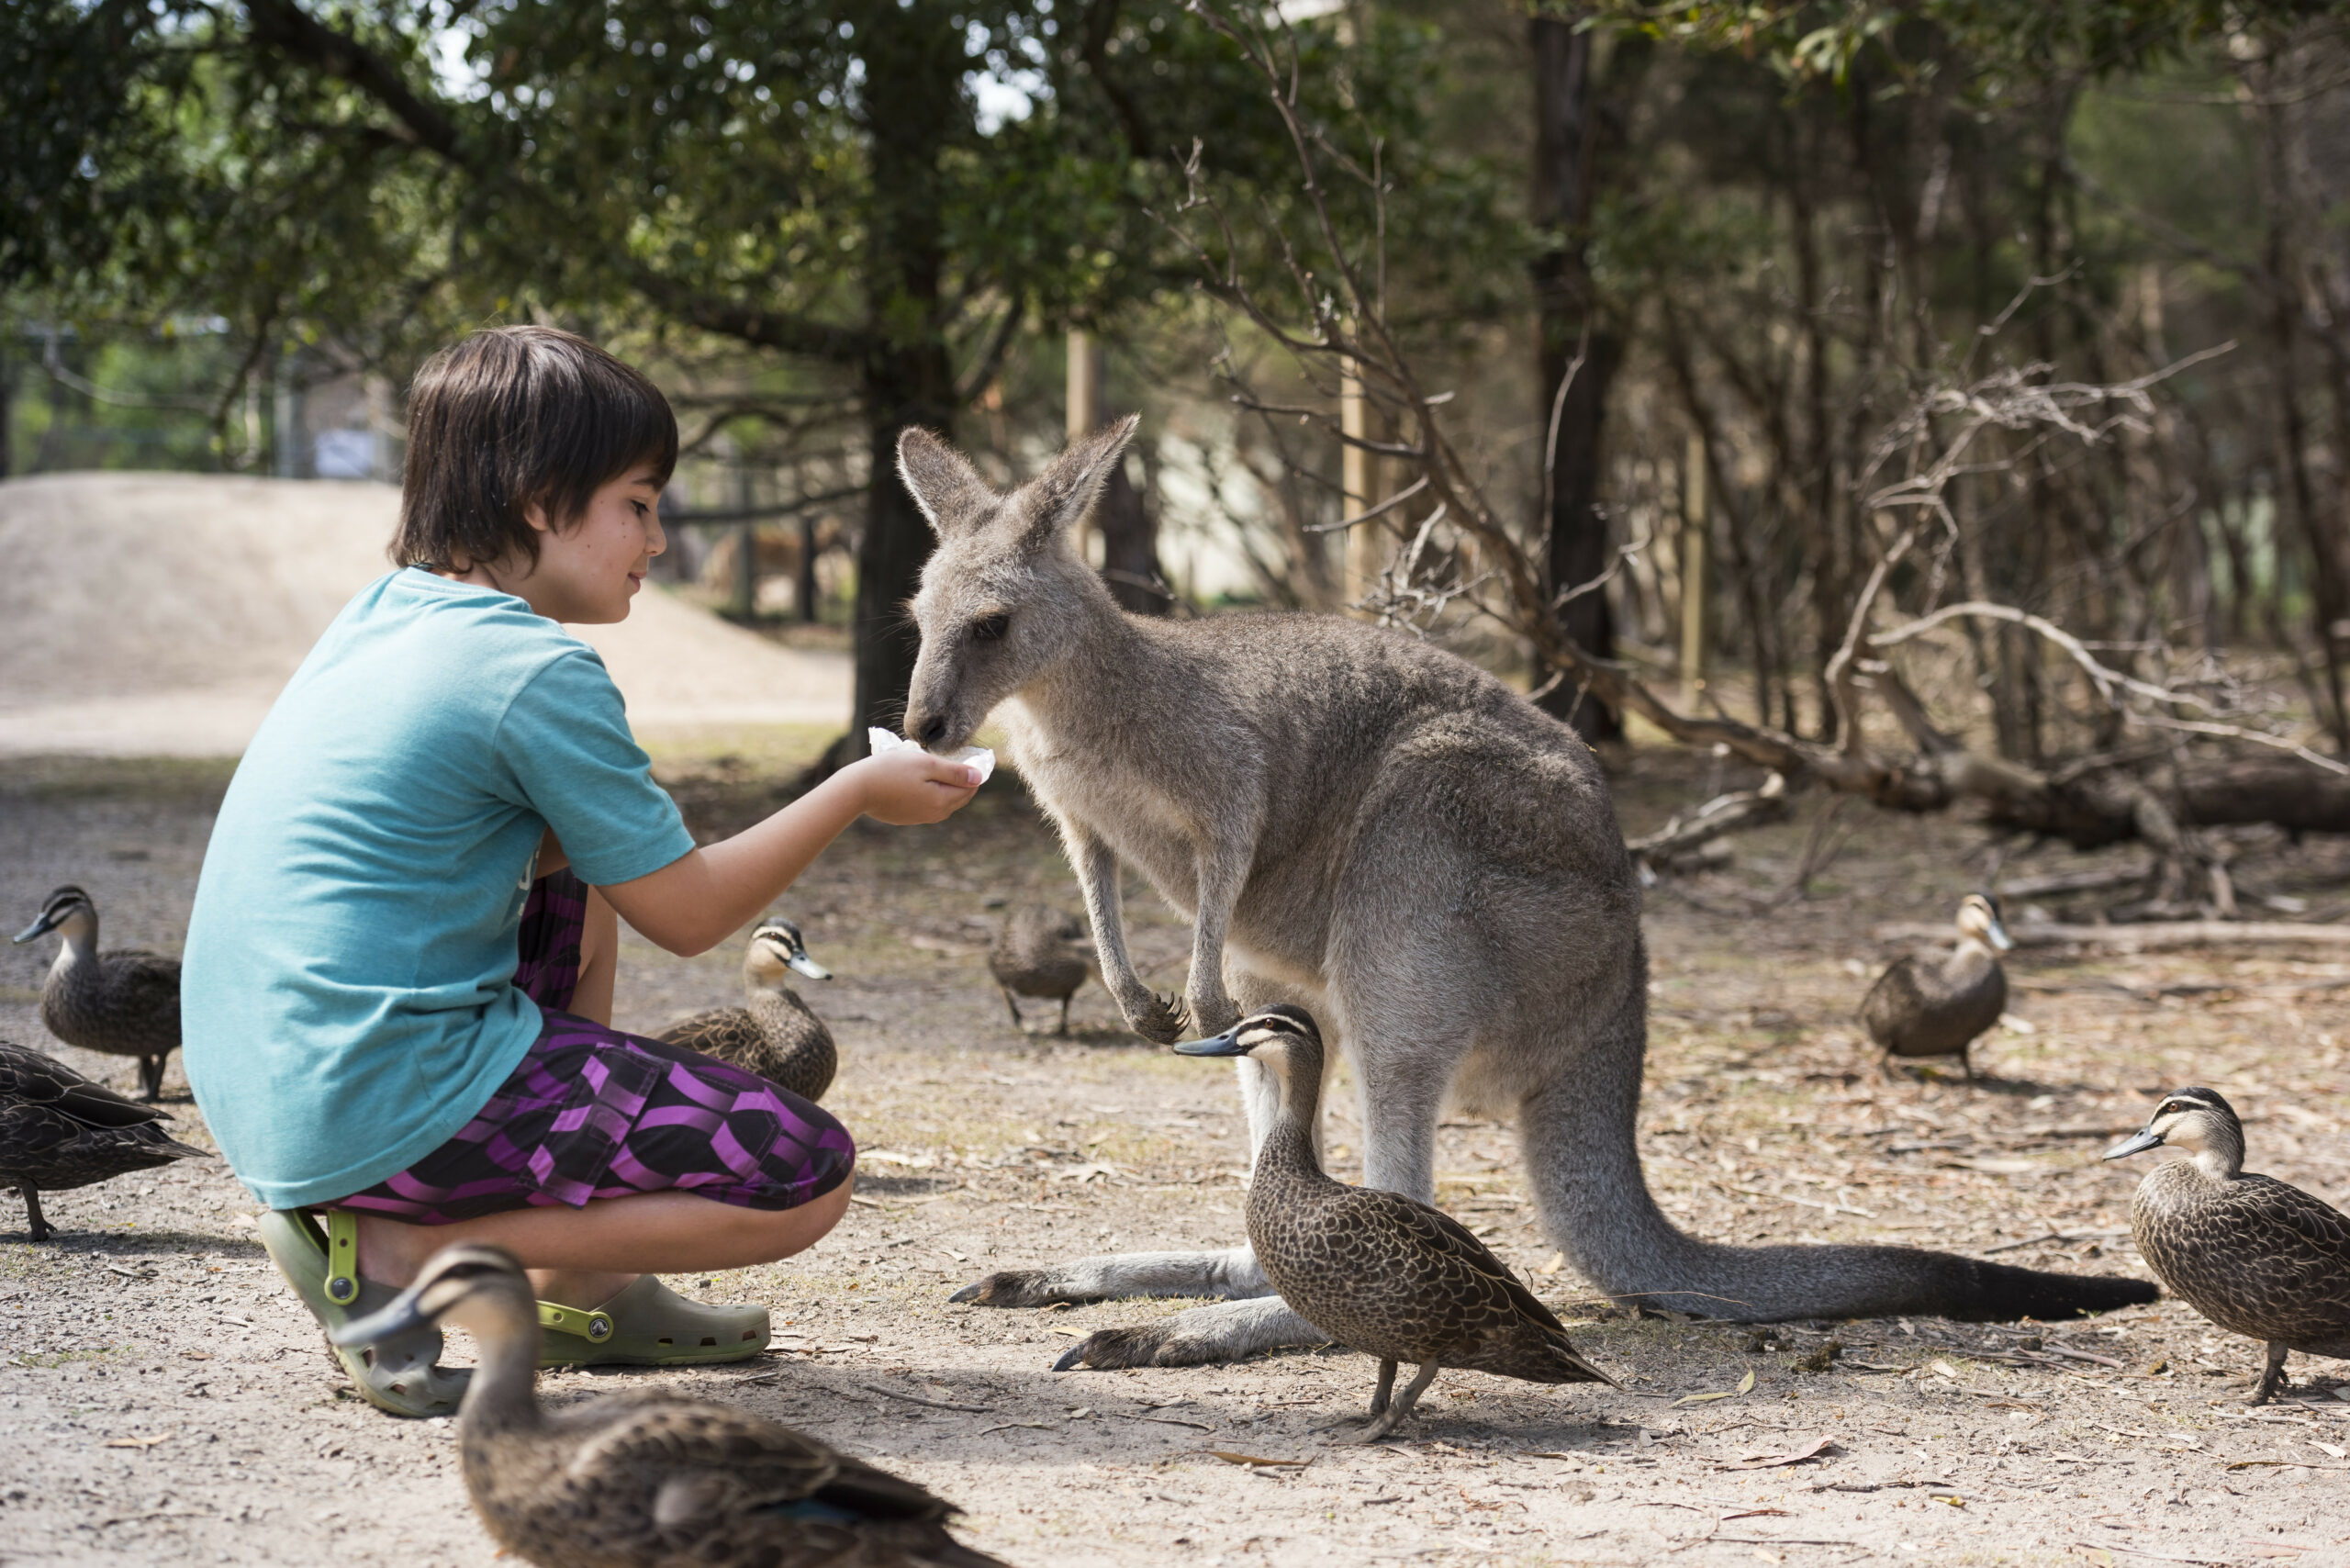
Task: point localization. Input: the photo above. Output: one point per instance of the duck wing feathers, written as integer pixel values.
(724, 1487)
(2256, 1256)
(58, 1130)
(777, 1036)
(729, 1034)
(1038, 952)
(1395, 1277)
(1933, 1004)
(126, 1003)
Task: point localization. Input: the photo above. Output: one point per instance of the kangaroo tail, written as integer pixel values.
(1578, 1132)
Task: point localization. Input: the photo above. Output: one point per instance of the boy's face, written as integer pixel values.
(588, 572)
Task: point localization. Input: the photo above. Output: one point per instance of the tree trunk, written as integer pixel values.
(913, 61)
(1130, 546)
(1566, 137)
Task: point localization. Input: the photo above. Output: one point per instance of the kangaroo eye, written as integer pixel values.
(990, 630)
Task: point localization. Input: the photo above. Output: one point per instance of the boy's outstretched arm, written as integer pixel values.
(702, 897)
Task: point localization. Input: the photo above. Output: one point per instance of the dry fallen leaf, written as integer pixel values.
(139, 1442)
(1558, 1261)
(1745, 1385)
(1229, 1457)
(1946, 1370)
(1811, 1450)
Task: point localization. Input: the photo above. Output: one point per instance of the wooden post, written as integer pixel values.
(746, 548)
(1358, 482)
(1692, 572)
(1085, 369)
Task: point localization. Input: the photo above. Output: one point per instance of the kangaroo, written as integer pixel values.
(1377, 830)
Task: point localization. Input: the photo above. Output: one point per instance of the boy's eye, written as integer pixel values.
(991, 629)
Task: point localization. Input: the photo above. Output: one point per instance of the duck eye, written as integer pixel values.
(991, 629)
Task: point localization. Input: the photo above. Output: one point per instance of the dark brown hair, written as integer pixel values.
(513, 417)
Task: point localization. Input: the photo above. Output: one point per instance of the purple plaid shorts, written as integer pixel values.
(594, 1112)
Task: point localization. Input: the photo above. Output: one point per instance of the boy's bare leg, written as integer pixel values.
(599, 956)
(571, 1253)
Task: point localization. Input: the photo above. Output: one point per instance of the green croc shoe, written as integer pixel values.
(400, 1374)
(649, 1325)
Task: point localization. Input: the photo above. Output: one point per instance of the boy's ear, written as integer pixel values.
(943, 483)
(1059, 498)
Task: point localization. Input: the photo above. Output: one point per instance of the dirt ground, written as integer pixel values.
(162, 1399)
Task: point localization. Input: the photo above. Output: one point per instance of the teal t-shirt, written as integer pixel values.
(347, 997)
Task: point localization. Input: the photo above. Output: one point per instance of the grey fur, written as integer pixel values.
(1386, 834)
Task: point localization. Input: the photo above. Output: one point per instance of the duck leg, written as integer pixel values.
(1009, 1002)
(1378, 1395)
(2274, 1378)
(1064, 1028)
(151, 1078)
(1384, 1421)
(34, 1221)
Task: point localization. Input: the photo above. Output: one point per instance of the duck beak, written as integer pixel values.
(801, 963)
(46, 923)
(404, 1314)
(2138, 1142)
(2000, 941)
(1224, 1045)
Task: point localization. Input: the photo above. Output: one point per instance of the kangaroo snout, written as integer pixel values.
(933, 730)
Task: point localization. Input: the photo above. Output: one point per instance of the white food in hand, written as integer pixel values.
(883, 742)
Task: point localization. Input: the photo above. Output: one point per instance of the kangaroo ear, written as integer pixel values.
(942, 481)
(1057, 500)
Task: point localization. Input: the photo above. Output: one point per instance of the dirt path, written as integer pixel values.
(163, 1400)
(158, 614)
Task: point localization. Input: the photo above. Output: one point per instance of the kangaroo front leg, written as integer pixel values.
(1231, 1272)
(1154, 1017)
(1221, 871)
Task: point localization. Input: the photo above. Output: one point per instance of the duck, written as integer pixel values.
(1377, 1271)
(124, 1004)
(1040, 952)
(60, 1130)
(1935, 1004)
(2256, 1256)
(774, 1034)
(655, 1480)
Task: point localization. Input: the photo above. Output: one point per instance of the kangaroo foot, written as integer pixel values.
(1021, 1287)
(1231, 1272)
(1205, 1335)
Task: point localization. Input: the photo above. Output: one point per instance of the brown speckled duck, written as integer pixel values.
(1377, 1271)
(125, 1003)
(653, 1481)
(774, 1034)
(2256, 1256)
(1040, 952)
(58, 1130)
(1934, 1005)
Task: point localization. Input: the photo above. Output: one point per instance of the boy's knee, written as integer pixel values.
(779, 1233)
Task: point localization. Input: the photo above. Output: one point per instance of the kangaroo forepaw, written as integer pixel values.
(1020, 1287)
(1163, 1022)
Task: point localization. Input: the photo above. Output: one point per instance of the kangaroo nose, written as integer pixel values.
(933, 732)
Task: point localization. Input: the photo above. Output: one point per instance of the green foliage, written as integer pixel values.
(1994, 47)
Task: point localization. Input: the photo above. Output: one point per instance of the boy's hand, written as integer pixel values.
(906, 787)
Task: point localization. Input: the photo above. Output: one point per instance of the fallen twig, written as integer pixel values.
(927, 1404)
(2146, 937)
